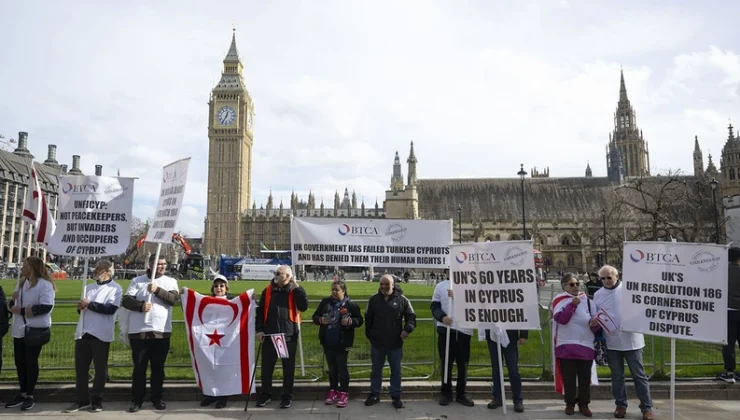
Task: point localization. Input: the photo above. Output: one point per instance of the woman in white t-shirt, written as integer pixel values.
(31, 329)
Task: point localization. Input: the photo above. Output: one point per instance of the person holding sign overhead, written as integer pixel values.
(623, 346)
(574, 345)
(442, 301)
(149, 330)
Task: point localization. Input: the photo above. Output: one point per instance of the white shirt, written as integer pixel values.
(41, 294)
(159, 318)
(100, 325)
(608, 300)
(440, 295)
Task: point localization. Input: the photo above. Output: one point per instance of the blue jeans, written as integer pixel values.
(619, 390)
(378, 356)
(511, 357)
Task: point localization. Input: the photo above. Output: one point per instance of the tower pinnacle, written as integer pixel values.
(622, 88)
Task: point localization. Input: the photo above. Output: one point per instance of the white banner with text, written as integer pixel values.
(675, 290)
(494, 284)
(93, 216)
(172, 191)
(371, 242)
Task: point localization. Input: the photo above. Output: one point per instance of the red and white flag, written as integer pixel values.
(560, 301)
(36, 211)
(278, 342)
(221, 341)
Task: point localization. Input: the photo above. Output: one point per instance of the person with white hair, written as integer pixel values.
(622, 346)
(279, 312)
(92, 341)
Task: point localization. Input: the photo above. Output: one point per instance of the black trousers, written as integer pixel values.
(143, 352)
(336, 358)
(90, 349)
(26, 365)
(576, 370)
(269, 359)
(459, 354)
(733, 335)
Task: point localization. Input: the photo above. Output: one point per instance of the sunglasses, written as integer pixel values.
(573, 284)
(605, 278)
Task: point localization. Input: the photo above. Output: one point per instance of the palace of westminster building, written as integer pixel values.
(564, 216)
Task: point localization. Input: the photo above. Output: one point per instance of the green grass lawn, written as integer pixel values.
(420, 350)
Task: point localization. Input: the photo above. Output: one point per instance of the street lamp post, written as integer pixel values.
(603, 220)
(714, 184)
(459, 224)
(523, 174)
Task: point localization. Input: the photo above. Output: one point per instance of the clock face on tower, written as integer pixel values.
(226, 115)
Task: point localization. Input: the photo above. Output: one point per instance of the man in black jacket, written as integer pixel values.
(386, 332)
(733, 317)
(511, 356)
(279, 312)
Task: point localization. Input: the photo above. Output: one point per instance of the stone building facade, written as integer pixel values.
(13, 184)
(565, 216)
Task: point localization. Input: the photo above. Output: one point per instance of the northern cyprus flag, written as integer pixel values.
(221, 341)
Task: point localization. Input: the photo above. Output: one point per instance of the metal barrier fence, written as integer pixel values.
(420, 359)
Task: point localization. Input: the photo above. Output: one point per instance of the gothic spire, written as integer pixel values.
(696, 144)
(622, 88)
(233, 54)
(412, 155)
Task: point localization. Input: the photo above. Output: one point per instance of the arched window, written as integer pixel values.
(571, 261)
(732, 173)
(514, 237)
(565, 240)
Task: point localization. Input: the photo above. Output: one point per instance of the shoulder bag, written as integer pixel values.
(34, 336)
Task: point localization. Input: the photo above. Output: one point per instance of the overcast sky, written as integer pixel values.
(339, 86)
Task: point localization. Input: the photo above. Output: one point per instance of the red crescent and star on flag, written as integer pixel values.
(215, 338)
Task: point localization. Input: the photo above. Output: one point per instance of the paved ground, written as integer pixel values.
(416, 410)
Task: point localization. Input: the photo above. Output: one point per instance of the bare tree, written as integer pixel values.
(665, 207)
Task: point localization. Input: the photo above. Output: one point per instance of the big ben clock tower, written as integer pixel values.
(230, 120)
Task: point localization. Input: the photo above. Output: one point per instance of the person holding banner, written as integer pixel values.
(337, 317)
(442, 302)
(31, 330)
(574, 345)
(219, 289)
(92, 344)
(622, 345)
(389, 320)
(730, 375)
(149, 330)
(279, 316)
(511, 357)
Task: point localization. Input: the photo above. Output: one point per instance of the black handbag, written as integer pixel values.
(35, 336)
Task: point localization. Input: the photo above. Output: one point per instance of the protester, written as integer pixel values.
(511, 357)
(574, 344)
(731, 375)
(92, 339)
(622, 345)
(279, 312)
(149, 330)
(389, 320)
(219, 289)
(442, 308)
(31, 329)
(337, 317)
